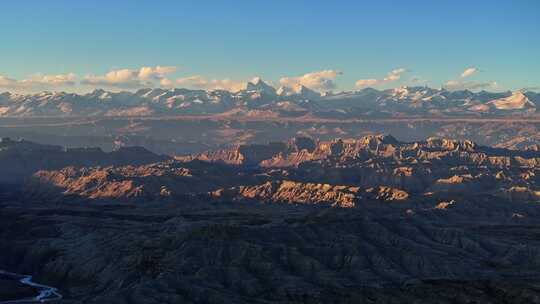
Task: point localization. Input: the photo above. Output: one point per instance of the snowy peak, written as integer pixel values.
(261, 96)
(258, 85)
(299, 91)
(305, 92)
(516, 101)
(413, 93)
(284, 91)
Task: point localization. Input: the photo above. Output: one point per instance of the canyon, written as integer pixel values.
(305, 220)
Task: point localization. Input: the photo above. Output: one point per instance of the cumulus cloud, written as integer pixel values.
(124, 78)
(368, 82)
(319, 81)
(469, 72)
(6, 82)
(393, 76)
(131, 78)
(227, 84)
(52, 80)
(166, 83)
(196, 81)
(462, 84)
(157, 72)
(200, 82)
(38, 82)
(455, 85)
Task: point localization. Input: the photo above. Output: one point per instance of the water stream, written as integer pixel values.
(46, 293)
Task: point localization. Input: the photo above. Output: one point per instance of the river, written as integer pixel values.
(46, 293)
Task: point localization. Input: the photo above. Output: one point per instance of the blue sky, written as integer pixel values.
(59, 44)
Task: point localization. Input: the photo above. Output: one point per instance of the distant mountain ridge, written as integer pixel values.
(19, 159)
(341, 173)
(260, 98)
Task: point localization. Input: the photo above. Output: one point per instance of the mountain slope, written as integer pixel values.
(259, 96)
(20, 159)
(517, 101)
(342, 173)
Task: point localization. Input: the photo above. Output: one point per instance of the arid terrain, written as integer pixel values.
(270, 152)
(188, 135)
(268, 195)
(367, 219)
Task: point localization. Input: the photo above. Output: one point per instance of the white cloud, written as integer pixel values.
(52, 80)
(368, 82)
(455, 85)
(6, 82)
(153, 76)
(157, 72)
(469, 72)
(462, 84)
(320, 81)
(393, 76)
(165, 82)
(196, 81)
(130, 78)
(38, 82)
(124, 78)
(200, 82)
(227, 84)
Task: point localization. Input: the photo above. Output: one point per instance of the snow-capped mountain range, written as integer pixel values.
(260, 98)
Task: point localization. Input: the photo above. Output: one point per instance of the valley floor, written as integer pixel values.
(197, 252)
